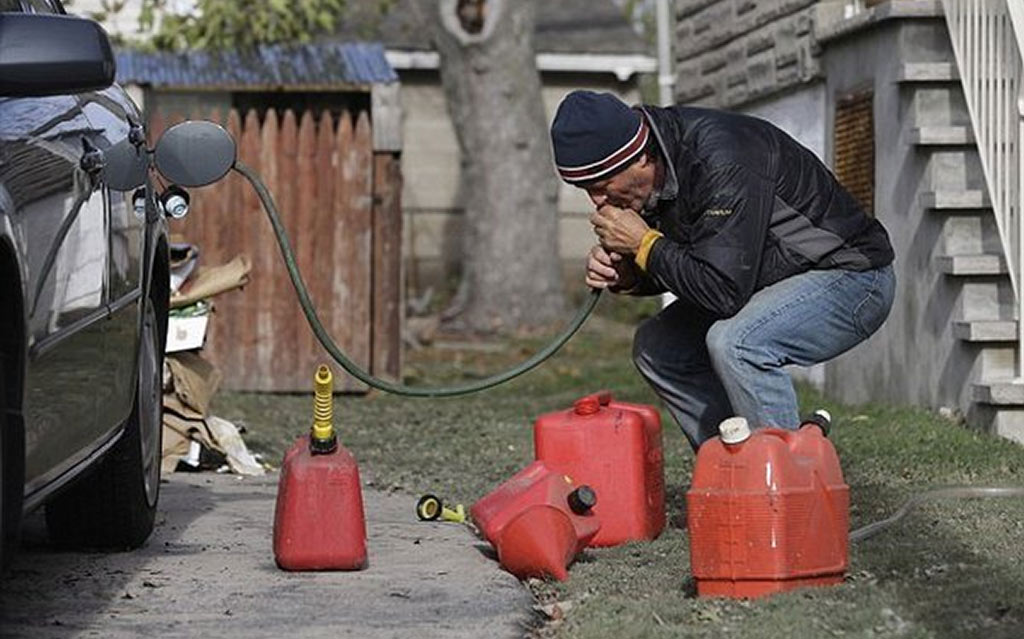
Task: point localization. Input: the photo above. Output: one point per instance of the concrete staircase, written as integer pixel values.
(968, 252)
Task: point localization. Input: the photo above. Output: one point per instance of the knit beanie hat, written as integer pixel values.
(595, 135)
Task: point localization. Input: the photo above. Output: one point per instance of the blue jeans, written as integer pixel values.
(706, 369)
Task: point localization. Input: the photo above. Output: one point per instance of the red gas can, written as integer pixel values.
(615, 447)
(319, 522)
(767, 512)
(538, 521)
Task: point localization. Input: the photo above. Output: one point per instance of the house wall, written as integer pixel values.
(730, 52)
(798, 111)
(430, 166)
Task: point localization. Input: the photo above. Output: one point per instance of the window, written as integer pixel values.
(9, 6)
(855, 147)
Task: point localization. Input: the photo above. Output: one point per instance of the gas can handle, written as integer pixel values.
(603, 397)
(590, 404)
(820, 418)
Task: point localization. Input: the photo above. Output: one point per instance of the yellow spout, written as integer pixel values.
(323, 404)
(457, 514)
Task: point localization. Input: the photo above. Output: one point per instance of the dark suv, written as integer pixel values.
(83, 288)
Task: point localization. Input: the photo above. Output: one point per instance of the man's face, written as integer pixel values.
(627, 189)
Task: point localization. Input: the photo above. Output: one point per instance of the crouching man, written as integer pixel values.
(772, 262)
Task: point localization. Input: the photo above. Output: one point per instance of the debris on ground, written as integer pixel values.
(193, 439)
(212, 281)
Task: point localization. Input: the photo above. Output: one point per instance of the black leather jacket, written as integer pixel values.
(742, 206)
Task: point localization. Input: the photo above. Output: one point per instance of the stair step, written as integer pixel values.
(928, 72)
(1004, 393)
(986, 330)
(976, 199)
(941, 135)
(982, 264)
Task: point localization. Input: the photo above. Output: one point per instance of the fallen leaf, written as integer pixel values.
(555, 611)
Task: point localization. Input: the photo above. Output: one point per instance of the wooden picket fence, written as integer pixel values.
(339, 201)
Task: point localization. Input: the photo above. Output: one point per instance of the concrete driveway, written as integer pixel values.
(208, 571)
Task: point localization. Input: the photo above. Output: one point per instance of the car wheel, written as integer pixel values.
(114, 507)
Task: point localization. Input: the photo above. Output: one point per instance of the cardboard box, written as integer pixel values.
(186, 333)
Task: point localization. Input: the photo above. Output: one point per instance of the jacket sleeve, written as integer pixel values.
(718, 268)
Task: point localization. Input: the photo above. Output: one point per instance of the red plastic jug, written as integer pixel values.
(615, 447)
(538, 521)
(768, 511)
(319, 523)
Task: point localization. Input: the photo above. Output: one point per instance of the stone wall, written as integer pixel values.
(730, 52)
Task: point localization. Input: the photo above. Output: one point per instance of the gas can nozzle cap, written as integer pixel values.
(734, 430)
(582, 500)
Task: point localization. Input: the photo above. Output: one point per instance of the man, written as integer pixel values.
(771, 260)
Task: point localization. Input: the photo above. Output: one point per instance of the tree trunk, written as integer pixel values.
(511, 266)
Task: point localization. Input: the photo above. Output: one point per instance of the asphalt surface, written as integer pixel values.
(208, 571)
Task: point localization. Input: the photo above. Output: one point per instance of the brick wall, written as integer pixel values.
(730, 52)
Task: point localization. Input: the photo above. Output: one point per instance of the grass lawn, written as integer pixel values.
(951, 569)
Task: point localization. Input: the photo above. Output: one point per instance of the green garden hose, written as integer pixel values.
(351, 367)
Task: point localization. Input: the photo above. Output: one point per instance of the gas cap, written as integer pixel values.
(734, 430)
(582, 500)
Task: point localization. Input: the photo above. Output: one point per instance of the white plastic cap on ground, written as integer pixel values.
(734, 430)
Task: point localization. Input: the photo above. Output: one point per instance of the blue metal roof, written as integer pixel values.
(310, 65)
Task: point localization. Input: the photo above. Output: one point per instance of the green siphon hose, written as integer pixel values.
(351, 367)
(951, 492)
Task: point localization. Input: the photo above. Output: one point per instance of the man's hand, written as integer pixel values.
(606, 269)
(619, 230)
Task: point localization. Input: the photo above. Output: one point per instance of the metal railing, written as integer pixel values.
(988, 41)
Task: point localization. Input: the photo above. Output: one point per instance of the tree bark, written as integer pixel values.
(511, 266)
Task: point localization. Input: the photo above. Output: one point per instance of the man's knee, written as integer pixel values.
(644, 346)
(665, 347)
(731, 344)
(721, 342)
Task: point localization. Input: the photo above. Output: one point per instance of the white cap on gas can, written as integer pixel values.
(734, 430)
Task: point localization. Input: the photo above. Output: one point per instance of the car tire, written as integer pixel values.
(5, 552)
(114, 507)
(11, 472)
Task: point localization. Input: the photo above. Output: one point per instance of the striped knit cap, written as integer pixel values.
(595, 135)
